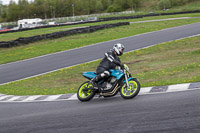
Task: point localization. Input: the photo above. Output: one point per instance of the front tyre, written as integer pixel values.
(132, 91)
(85, 96)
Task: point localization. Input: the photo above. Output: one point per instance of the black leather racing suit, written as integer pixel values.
(110, 61)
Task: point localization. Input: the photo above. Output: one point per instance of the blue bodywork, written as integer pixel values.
(89, 75)
(114, 72)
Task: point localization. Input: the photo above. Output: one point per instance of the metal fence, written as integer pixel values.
(76, 18)
(8, 23)
(86, 17)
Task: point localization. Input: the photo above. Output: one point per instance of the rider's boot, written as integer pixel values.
(95, 81)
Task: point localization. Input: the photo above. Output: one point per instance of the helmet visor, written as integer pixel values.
(121, 50)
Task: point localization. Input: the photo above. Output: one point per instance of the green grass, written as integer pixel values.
(51, 46)
(164, 64)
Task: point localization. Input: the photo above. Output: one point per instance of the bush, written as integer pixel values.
(178, 2)
(164, 4)
(114, 8)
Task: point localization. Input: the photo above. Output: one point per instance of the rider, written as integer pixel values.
(110, 61)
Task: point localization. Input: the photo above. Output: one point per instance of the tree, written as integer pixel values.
(4, 11)
(53, 4)
(13, 11)
(105, 4)
(164, 4)
(62, 8)
(133, 4)
(98, 7)
(45, 6)
(24, 11)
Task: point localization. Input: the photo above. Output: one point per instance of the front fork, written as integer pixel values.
(126, 78)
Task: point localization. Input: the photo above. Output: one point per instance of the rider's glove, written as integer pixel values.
(119, 64)
(122, 66)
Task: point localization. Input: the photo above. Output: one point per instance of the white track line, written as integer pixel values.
(73, 97)
(179, 87)
(158, 20)
(145, 90)
(3, 97)
(31, 98)
(14, 98)
(52, 98)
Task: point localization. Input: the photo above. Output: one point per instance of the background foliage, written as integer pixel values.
(63, 8)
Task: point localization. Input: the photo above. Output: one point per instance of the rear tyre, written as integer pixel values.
(132, 91)
(85, 96)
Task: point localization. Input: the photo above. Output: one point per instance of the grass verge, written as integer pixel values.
(51, 46)
(164, 64)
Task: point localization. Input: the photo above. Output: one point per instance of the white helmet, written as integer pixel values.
(119, 49)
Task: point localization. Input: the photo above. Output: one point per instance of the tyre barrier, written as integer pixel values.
(119, 18)
(27, 40)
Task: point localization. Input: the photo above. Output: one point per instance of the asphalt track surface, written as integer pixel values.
(44, 64)
(176, 112)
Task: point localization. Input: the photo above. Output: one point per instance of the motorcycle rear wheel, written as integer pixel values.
(85, 96)
(132, 91)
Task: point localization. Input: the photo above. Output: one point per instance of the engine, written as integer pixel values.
(109, 83)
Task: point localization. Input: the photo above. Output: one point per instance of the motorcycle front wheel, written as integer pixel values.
(85, 96)
(132, 91)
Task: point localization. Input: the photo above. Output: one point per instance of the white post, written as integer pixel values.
(73, 11)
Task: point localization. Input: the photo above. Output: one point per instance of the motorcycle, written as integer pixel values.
(119, 81)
